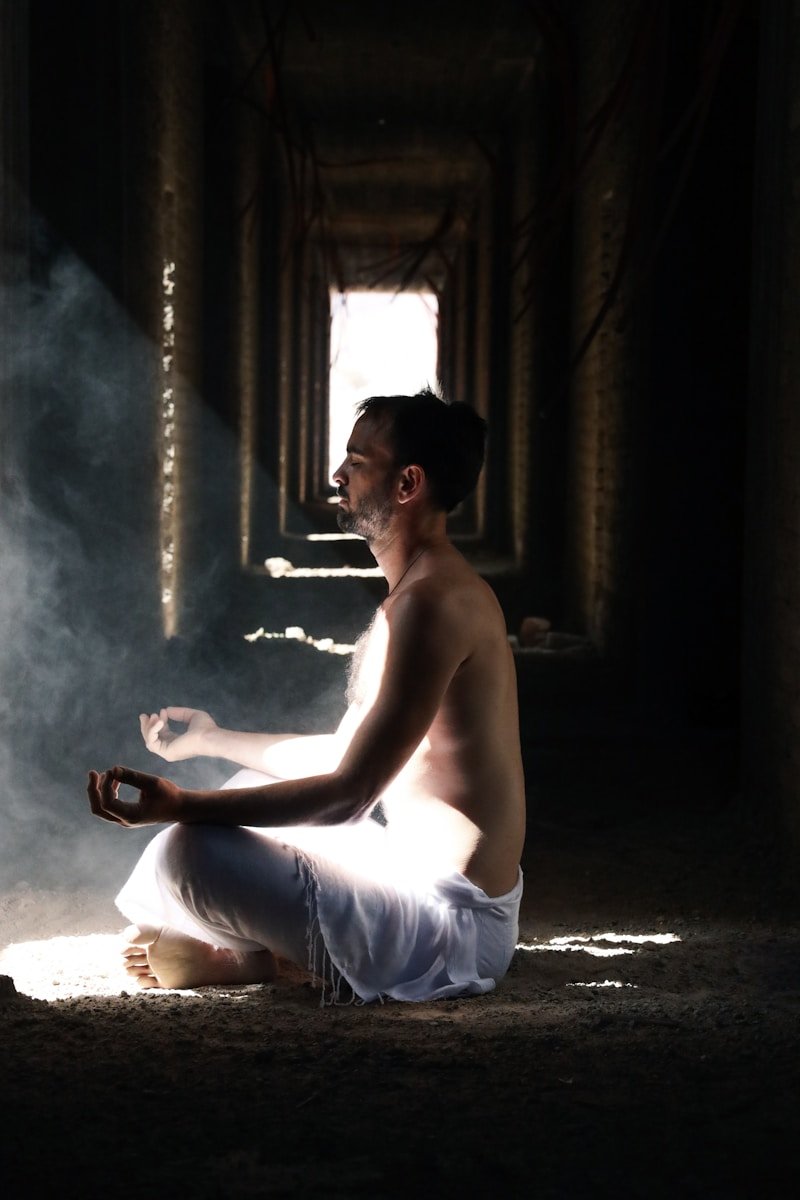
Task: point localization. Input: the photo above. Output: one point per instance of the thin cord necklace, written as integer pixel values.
(415, 559)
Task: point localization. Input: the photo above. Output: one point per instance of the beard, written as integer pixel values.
(369, 519)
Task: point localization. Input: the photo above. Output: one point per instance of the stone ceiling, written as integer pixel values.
(393, 112)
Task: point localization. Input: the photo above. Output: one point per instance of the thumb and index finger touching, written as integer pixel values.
(104, 798)
(137, 779)
(153, 723)
(179, 713)
(121, 775)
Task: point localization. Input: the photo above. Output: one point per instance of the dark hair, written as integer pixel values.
(447, 440)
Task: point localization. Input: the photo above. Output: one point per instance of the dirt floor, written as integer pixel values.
(644, 1043)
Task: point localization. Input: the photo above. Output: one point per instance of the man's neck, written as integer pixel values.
(397, 552)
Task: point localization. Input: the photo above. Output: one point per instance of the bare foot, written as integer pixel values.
(164, 958)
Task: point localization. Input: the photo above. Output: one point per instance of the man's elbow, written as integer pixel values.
(353, 798)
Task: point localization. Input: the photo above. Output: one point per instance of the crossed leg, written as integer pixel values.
(165, 958)
(242, 893)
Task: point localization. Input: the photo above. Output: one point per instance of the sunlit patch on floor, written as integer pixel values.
(61, 968)
(585, 943)
(606, 983)
(595, 951)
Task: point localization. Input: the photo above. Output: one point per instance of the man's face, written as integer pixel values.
(365, 482)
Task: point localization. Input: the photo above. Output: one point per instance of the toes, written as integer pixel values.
(138, 972)
(135, 953)
(141, 935)
(135, 960)
(138, 939)
(133, 967)
(143, 977)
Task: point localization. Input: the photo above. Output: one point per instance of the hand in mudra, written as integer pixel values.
(158, 800)
(169, 744)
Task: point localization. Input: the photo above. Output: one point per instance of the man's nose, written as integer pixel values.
(339, 476)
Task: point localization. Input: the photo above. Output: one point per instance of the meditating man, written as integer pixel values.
(285, 860)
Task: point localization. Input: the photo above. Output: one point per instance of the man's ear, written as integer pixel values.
(411, 483)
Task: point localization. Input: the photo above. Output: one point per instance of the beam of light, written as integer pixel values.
(64, 968)
(382, 344)
(281, 568)
(596, 951)
(293, 633)
(607, 983)
(660, 939)
(60, 968)
(168, 515)
(332, 537)
(585, 943)
(579, 941)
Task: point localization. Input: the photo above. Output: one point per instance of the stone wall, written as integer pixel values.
(771, 674)
(14, 232)
(164, 262)
(604, 384)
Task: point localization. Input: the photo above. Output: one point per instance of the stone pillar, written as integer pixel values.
(604, 385)
(522, 368)
(247, 306)
(771, 657)
(13, 233)
(165, 263)
(537, 352)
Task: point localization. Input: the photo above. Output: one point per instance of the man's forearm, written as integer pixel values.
(246, 749)
(318, 800)
(283, 755)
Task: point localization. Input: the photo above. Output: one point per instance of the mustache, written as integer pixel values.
(340, 491)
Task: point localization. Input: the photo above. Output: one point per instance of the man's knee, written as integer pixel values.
(186, 851)
(208, 852)
(233, 880)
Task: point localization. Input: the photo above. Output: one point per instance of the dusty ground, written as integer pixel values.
(656, 1068)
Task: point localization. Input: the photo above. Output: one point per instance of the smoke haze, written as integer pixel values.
(80, 651)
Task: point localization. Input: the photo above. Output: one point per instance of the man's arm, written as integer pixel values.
(423, 650)
(273, 753)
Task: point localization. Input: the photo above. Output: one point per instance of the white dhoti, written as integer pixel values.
(338, 900)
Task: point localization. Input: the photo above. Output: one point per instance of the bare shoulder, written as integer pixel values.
(450, 600)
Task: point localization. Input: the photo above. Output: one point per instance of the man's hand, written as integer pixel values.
(174, 747)
(159, 800)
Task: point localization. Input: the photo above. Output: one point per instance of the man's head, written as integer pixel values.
(407, 447)
(447, 440)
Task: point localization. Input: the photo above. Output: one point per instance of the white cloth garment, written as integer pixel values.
(337, 899)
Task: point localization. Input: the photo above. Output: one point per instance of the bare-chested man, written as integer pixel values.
(284, 860)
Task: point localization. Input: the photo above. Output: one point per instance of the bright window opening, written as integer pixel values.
(382, 344)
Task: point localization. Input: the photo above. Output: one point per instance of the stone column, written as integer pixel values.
(164, 252)
(771, 610)
(13, 234)
(604, 385)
